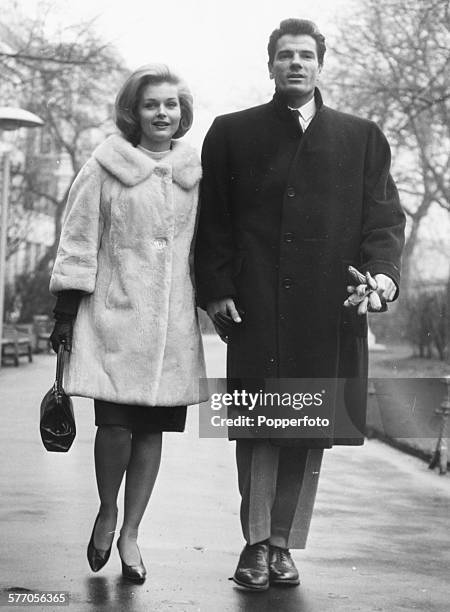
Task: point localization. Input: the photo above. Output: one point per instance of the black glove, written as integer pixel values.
(62, 333)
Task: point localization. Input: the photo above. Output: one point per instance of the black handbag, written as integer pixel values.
(57, 424)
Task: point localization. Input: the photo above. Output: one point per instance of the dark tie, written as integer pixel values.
(296, 113)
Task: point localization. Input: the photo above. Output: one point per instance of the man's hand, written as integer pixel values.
(386, 287)
(224, 308)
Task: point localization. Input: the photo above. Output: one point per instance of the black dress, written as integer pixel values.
(140, 418)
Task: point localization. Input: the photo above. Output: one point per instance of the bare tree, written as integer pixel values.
(20, 223)
(69, 79)
(393, 66)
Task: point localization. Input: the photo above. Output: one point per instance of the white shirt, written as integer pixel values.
(306, 113)
(156, 155)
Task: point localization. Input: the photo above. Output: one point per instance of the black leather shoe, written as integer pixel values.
(282, 570)
(97, 558)
(252, 570)
(135, 573)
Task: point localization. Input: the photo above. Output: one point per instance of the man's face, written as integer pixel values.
(295, 67)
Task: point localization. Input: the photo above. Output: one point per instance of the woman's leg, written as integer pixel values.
(112, 454)
(141, 476)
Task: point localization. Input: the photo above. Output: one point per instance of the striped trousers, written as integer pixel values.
(278, 487)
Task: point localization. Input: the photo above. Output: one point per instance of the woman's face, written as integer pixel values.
(159, 114)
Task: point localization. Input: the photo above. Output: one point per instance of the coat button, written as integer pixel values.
(160, 243)
(287, 283)
(290, 192)
(288, 237)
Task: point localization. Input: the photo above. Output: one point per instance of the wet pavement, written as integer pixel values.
(379, 541)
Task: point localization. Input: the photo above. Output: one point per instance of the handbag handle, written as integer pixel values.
(58, 386)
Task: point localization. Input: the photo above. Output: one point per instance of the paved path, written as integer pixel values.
(379, 538)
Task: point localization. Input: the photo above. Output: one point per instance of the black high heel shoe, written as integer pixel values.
(97, 558)
(135, 573)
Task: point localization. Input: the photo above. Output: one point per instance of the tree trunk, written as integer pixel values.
(50, 253)
(413, 239)
(407, 258)
(447, 316)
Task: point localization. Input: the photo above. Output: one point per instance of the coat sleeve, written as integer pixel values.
(193, 241)
(383, 231)
(76, 260)
(214, 245)
(67, 303)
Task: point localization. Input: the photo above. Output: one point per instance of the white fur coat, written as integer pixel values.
(125, 242)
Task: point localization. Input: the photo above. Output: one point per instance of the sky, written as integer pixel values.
(192, 33)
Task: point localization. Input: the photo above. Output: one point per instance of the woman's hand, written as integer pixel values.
(62, 334)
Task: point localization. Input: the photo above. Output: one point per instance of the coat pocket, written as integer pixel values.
(238, 263)
(116, 293)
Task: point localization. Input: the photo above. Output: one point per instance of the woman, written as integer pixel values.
(122, 277)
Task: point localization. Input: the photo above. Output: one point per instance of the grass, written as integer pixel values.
(398, 361)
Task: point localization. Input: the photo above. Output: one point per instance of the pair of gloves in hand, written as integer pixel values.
(369, 294)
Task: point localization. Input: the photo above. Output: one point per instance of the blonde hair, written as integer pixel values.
(128, 98)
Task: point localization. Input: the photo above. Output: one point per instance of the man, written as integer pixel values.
(293, 193)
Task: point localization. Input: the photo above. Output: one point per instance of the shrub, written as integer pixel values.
(32, 293)
(390, 327)
(426, 323)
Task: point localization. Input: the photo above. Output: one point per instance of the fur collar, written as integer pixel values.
(131, 166)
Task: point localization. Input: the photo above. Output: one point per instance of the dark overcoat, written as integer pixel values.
(282, 216)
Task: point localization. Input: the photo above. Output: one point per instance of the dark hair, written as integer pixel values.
(128, 98)
(296, 27)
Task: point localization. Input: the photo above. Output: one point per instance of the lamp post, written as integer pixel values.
(10, 119)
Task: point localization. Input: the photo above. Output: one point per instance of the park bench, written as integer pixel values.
(16, 343)
(42, 328)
